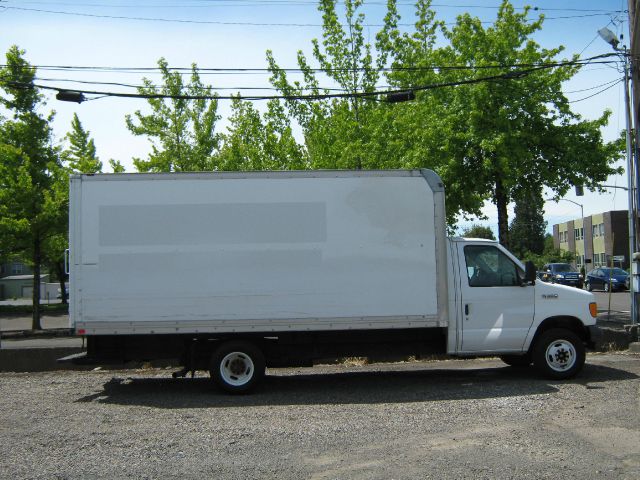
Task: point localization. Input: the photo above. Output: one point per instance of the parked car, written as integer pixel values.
(607, 278)
(561, 273)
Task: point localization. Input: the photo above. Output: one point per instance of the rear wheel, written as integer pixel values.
(559, 354)
(518, 361)
(237, 366)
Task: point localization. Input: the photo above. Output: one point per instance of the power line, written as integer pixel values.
(228, 23)
(307, 97)
(208, 87)
(597, 93)
(311, 3)
(595, 60)
(612, 82)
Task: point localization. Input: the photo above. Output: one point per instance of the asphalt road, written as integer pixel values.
(475, 419)
(620, 301)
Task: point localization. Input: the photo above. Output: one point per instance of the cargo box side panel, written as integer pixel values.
(256, 254)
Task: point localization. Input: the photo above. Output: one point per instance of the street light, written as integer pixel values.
(609, 37)
(581, 216)
(567, 200)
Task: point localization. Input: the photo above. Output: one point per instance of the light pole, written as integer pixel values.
(584, 244)
(609, 37)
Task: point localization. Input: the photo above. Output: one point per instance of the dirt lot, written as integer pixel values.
(450, 419)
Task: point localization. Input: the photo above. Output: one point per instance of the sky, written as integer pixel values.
(236, 34)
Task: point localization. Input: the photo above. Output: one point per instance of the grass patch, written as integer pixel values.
(55, 308)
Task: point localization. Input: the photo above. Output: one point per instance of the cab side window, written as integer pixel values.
(487, 266)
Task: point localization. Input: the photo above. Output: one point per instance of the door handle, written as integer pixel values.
(466, 309)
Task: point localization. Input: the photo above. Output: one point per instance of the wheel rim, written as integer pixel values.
(606, 287)
(561, 355)
(236, 368)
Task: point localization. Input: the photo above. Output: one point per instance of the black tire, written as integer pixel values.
(517, 361)
(237, 366)
(606, 287)
(588, 286)
(558, 354)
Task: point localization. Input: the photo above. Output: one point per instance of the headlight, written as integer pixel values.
(580, 277)
(559, 276)
(613, 280)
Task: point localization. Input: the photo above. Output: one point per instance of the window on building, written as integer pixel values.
(17, 268)
(595, 231)
(601, 229)
(599, 259)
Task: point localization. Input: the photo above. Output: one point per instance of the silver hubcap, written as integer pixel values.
(236, 368)
(561, 355)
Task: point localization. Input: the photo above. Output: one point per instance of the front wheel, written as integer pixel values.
(607, 287)
(559, 354)
(237, 366)
(588, 286)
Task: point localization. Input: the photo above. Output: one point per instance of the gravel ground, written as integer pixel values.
(449, 419)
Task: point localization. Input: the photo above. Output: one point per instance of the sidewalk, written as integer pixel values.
(22, 322)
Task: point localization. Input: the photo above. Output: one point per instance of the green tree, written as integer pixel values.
(339, 132)
(31, 207)
(116, 166)
(80, 154)
(493, 136)
(478, 231)
(181, 131)
(550, 254)
(259, 142)
(527, 230)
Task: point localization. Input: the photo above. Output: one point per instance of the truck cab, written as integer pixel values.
(499, 310)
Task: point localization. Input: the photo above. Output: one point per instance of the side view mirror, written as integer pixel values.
(529, 273)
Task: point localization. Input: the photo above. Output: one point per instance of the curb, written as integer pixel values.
(616, 339)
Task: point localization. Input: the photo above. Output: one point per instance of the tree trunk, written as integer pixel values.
(503, 217)
(35, 324)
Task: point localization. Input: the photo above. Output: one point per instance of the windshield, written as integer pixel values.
(614, 271)
(563, 267)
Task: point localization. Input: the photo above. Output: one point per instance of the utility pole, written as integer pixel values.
(609, 37)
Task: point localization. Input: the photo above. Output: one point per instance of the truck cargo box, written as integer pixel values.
(257, 252)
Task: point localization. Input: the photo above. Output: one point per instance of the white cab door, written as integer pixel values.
(497, 311)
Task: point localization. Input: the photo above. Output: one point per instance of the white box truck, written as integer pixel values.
(235, 272)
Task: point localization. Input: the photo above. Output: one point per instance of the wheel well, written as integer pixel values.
(570, 323)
